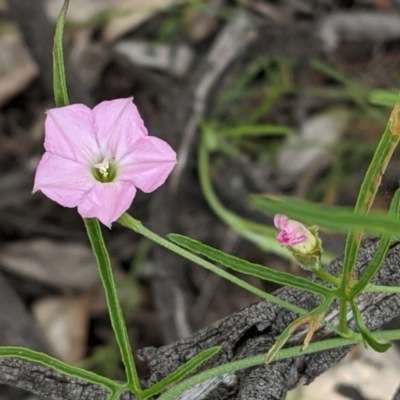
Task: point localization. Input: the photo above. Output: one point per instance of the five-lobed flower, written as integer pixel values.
(95, 159)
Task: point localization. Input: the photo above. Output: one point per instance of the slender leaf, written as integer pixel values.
(367, 193)
(259, 360)
(260, 234)
(57, 365)
(254, 130)
(373, 265)
(117, 392)
(59, 81)
(365, 333)
(384, 97)
(251, 230)
(339, 219)
(248, 268)
(308, 319)
(181, 371)
(380, 252)
(136, 226)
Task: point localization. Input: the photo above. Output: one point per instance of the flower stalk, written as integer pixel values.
(117, 320)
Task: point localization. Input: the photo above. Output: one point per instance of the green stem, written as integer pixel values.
(309, 319)
(135, 225)
(116, 394)
(365, 333)
(241, 226)
(326, 276)
(368, 189)
(343, 328)
(382, 289)
(380, 252)
(259, 360)
(117, 320)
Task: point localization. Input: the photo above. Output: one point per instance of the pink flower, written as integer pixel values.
(95, 159)
(295, 235)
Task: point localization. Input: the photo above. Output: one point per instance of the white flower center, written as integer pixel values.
(104, 166)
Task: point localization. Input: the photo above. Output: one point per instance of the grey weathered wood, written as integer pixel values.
(17, 328)
(248, 332)
(254, 329)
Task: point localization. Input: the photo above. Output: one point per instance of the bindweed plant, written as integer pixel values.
(96, 159)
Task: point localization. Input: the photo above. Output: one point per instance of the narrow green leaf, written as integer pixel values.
(254, 130)
(380, 252)
(377, 346)
(136, 226)
(259, 360)
(339, 219)
(257, 233)
(294, 325)
(373, 265)
(116, 393)
(57, 365)
(248, 268)
(59, 81)
(365, 333)
(181, 371)
(367, 193)
(384, 97)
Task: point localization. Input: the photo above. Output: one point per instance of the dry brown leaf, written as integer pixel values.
(64, 323)
(124, 15)
(89, 57)
(65, 265)
(304, 149)
(17, 69)
(79, 11)
(175, 60)
(136, 12)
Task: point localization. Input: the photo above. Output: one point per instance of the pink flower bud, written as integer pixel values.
(295, 235)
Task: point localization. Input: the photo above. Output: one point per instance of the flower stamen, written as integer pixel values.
(104, 166)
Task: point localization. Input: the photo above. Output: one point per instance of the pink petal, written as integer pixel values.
(148, 164)
(118, 126)
(283, 238)
(299, 235)
(296, 238)
(107, 201)
(69, 132)
(280, 221)
(63, 180)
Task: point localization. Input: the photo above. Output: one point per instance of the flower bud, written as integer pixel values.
(303, 242)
